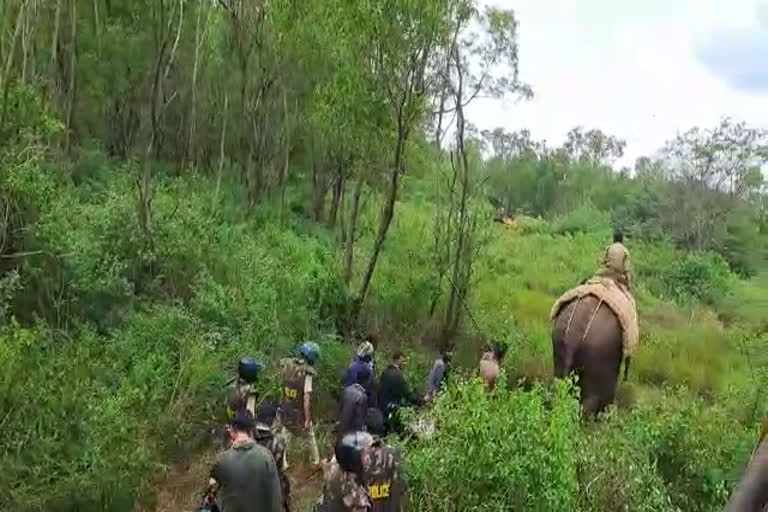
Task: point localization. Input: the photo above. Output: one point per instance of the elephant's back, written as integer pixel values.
(751, 494)
(587, 321)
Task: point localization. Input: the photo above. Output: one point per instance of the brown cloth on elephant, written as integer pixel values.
(617, 297)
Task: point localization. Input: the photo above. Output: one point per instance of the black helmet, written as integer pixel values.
(249, 368)
(309, 351)
(349, 451)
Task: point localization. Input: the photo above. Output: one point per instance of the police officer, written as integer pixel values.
(245, 476)
(274, 440)
(439, 373)
(344, 490)
(296, 400)
(241, 393)
(395, 393)
(362, 362)
(354, 404)
(382, 476)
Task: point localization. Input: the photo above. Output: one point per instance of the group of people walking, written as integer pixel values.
(362, 473)
(252, 474)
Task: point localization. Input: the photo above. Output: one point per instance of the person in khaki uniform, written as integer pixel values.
(616, 261)
(490, 364)
(344, 489)
(270, 436)
(296, 401)
(382, 476)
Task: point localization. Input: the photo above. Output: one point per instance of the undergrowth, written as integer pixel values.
(115, 348)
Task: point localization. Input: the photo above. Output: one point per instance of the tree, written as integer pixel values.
(508, 145)
(593, 146)
(167, 25)
(709, 170)
(482, 61)
(403, 35)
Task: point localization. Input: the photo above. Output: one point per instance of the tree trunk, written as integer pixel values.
(386, 216)
(97, 25)
(462, 258)
(284, 173)
(338, 187)
(5, 79)
(145, 190)
(221, 154)
(72, 78)
(349, 247)
(250, 185)
(145, 185)
(318, 192)
(55, 41)
(444, 89)
(24, 49)
(193, 106)
(342, 234)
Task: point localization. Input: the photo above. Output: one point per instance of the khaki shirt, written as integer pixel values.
(616, 258)
(342, 492)
(383, 480)
(489, 369)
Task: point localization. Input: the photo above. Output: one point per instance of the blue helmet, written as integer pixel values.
(309, 351)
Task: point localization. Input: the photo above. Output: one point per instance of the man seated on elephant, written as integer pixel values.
(615, 262)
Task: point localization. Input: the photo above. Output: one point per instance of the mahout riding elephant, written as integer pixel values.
(587, 342)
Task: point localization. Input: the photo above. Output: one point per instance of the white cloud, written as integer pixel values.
(628, 67)
(737, 53)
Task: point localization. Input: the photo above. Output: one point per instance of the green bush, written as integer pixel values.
(584, 219)
(670, 452)
(509, 450)
(527, 450)
(680, 276)
(154, 330)
(704, 276)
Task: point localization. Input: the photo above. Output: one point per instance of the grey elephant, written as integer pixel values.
(751, 494)
(587, 341)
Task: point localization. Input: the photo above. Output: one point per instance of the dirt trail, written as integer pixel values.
(180, 490)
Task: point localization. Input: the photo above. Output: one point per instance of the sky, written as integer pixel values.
(643, 70)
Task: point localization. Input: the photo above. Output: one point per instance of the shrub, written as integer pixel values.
(704, 276)
(671, 452)
(681, 276)
(583, 219)
(509, 450)
(96, 415)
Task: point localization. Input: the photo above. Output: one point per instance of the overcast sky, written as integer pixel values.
(643, 70)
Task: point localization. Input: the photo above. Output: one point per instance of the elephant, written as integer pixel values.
(587, 341)
(751, 494)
